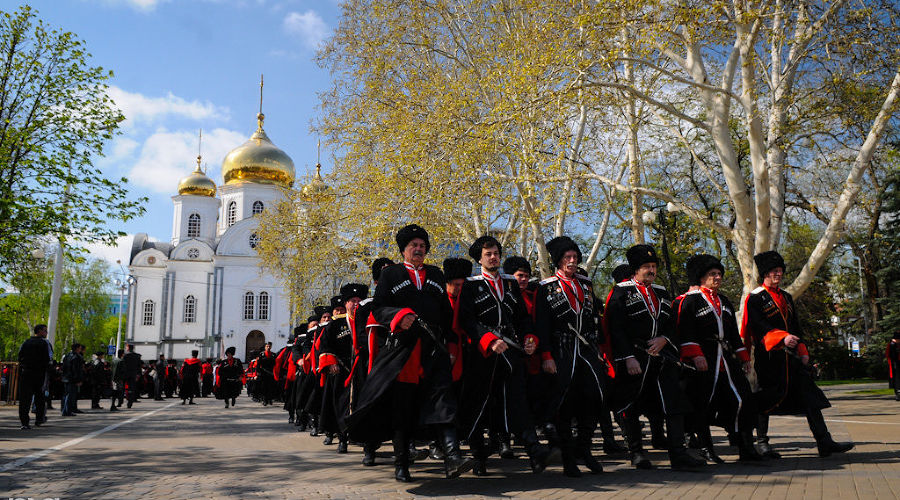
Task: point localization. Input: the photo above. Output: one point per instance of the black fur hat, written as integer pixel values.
(336, 302)
(231, 350)
(318, 311)
(639, 255)
(311, 319)
(516, 263)
(481, 243)
(409, 233)
(767, 261)
(455, 268)
(559, 246)
(622, 272)
(379, 264)
(699, 265)
(351, 290)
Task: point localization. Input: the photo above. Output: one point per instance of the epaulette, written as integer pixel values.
(692, 292)
(475, 278)
(623, 284)
(660, 287)
(757, 290)
(581, 276)
(366, 301)
(507, 276)
(551, 279)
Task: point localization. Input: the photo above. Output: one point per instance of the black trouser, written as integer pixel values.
(895, 369)
(581, 402)
(96, 395)
(31, 387)
(814, 418)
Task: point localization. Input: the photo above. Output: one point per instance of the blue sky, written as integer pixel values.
(182, 65)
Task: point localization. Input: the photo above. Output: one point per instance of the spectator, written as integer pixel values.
(117, 371)
(131, 373)
(72, 377)
(34, 360)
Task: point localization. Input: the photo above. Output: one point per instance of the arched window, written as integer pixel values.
(249, 305)
(263, 312)
(253, 240)
(190, 309)
(231, 215)
(258, 207)
(148, 313)
(194, 226)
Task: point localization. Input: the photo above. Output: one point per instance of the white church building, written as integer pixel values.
(205, 289)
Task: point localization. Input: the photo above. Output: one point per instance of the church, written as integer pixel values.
(205, 289)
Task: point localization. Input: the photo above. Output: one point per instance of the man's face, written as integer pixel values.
(312, 324)
(569, 263)
(522, 278)
(712, 279)
(454, 286)
(268, 347)
(415, 251)
(326, 317)
(42, 333)
(352, 304)
(490, 259)
(646, 273)
(773, 277)
(338, 311)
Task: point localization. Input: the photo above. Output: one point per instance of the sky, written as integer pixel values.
(183, 65)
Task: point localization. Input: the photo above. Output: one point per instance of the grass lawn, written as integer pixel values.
(825, 383)
(875, 392)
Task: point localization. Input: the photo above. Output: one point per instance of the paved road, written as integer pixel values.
(165, 450)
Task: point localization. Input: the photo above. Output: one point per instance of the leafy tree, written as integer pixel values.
(83, 310)
(890, 274)
(55, 119)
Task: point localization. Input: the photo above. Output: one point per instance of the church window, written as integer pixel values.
(190, 309)
(193, 226)
(258, 207)
(148, 313)
(193, 253)
(249, 305)
(231, 216)
(263, 306)
(254, 240)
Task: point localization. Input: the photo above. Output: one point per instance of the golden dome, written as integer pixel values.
(258, 160)
(197, 183)
(316, 186)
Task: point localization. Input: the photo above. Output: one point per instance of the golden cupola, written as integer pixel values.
(258, 160)
(197, 183)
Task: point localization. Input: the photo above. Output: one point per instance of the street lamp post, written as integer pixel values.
(862, 299)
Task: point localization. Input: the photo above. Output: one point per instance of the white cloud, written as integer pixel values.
(166, 157)
(110, 253)
(309, 26)
(139, 108)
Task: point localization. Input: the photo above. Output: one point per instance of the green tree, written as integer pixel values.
(83, 310)
(890, 274)
(55, 119)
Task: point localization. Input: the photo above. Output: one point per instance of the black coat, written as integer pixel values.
(394, 293)
(631, 324)
(229, 379)
(568, 335)
(34, 357)
(483, 317)
(131, 366)
(785, 385)
(701, 331)
(73, 368)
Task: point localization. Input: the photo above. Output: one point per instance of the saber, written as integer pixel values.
(431, 333)
(666, 356)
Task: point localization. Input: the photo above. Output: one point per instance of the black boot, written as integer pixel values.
(658, 439)
(678, 455)
(480, 452)
(329, 439)
(567, 447)
(290, 418)
(539, 455)
(633, 439)
(342, 444)
(369, 455)
(454, 463)
(762, 438)
(827, 446)
(583, 449)
(434, 451)
(401, 458)
(746, 451)
(707, 451)
(505, 449)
